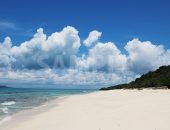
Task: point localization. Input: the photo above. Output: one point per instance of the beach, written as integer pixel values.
(102, 110)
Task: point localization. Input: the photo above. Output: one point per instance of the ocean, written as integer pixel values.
(13, 100)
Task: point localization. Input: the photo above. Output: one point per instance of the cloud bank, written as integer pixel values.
(57, 59)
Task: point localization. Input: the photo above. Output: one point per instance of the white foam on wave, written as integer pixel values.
(7, 118)
(8, 103)
(5, 110)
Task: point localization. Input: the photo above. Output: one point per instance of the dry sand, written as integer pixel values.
(106, 110)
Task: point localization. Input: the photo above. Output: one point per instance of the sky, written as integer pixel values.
(82, 43)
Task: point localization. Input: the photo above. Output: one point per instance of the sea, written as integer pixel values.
(13, 100)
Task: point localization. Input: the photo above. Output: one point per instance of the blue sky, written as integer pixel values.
(113, 41)
(119, 20)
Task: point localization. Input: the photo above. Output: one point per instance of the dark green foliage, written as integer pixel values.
(115, 87)
(158, 78)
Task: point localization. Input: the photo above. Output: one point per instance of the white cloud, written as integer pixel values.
(57, 50)
(66, 77)
(165, 58)
(144, 56)
(8, 25)
(5, 56)
(57, 59)
(92, 38)
(103, 57)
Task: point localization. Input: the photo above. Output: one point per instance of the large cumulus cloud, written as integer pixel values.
(57, 50)
(103, 57)
(5, 55)
(145, 56)
(56, 59)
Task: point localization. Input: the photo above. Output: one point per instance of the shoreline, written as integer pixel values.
(28, 113)
(104, 110)
(37, 109)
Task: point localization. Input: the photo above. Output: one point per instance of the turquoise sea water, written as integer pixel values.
(13, 100)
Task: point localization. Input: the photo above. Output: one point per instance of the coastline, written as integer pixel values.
(31, 98)
(101, 110)
(25, 115)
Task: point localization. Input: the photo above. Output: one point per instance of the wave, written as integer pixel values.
(5, 110)
(8, 103)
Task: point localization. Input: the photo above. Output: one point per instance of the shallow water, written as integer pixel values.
(13, 100)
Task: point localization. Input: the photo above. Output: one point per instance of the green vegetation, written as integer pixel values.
(156, 79)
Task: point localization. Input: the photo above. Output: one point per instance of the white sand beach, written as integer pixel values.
(104, 110)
